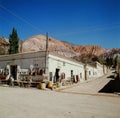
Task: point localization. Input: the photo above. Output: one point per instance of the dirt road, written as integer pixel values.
(35, 103)
(96, 86)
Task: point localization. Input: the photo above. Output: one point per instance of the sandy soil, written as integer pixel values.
(81, 101)
(34, 103)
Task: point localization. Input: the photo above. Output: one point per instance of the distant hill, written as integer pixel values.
(79, 52)
(38, 42)
(111, 52)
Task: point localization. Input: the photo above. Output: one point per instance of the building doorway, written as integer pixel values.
(85, 74)
(57, 75)
(13, 70)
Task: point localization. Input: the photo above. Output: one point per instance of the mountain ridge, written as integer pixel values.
(38, 42)
(79, 52)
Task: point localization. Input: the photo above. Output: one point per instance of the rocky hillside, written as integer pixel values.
(88, 52)
(4, 46)
(111, 52)
(79, 52)
(87, 49)
(38, 42)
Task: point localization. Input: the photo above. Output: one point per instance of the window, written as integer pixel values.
(80, 75)
(89, 73)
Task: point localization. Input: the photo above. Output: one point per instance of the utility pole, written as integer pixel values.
(46, 51)
(46, 41)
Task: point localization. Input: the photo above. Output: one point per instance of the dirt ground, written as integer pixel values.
(35, 103)
(81, 101)
(100, 86)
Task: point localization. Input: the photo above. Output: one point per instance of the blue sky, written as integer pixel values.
(81, 22)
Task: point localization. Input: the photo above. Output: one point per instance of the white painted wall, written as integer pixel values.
(26, 60)
(99, 69)
(92, 72)
(23, 60)
(65, 65)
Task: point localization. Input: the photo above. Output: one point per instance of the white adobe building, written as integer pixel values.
(65, 66)
(91, 72)
(52, 64)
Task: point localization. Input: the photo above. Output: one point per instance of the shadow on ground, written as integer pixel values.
(113, 85)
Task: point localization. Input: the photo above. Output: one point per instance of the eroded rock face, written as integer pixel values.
(4, 45)
(38, 42)
(78, 52)
(111, 52)
(94, 50)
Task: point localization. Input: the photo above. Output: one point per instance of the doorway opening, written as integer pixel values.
(85, 74)
(57, 76)
(13, 69)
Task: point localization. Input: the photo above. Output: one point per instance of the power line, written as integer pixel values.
(20, 18)
(92, 29)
